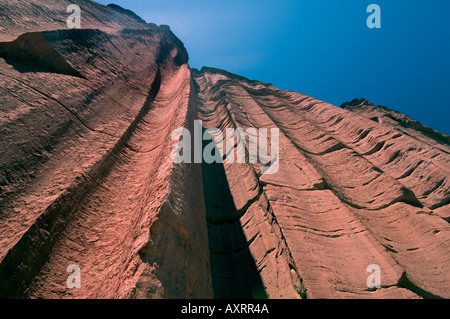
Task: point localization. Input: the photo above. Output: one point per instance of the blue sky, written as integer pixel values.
(322, 48)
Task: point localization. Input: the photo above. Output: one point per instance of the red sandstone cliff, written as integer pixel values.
(86, 176)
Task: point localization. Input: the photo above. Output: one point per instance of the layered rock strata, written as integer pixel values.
(87, 177)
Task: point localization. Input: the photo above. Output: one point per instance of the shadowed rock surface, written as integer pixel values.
(86, 176)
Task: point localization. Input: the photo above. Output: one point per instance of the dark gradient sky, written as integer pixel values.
(322, 48)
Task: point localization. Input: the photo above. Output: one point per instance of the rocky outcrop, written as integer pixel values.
(350, 192)
(87, 176)
(22, 16)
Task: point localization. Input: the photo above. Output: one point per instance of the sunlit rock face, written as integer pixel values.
(88, 179)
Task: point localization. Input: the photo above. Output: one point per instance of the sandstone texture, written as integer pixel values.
(87, 177)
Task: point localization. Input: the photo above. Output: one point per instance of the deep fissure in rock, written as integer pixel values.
(233, 268)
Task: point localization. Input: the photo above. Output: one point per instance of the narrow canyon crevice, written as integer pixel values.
(234, 271)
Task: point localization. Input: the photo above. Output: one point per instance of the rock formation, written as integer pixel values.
(87, 177)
